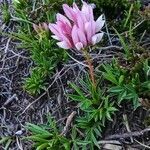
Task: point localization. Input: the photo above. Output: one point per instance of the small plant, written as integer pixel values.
(36, 82)
(45, 56)
(128, 83)
(96, 109)
(20, 4)
(5, 12)
(47, 136)
(6, 141)
(37, 39)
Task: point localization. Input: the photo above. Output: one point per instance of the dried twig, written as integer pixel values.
(68, 122)
(143, 145)
(127, 125)
(115, 142)
(127, 135)
(10, 100)
(79, 62)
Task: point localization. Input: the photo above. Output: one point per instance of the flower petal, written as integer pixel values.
(82, 37)
(75, 7)
(74, 34)
(55, 37)
(69, 12)
(79, 46)
(45, 26)
(90, 30)
(64, 27)
(80, 21)
(88, 11)
(99, 23)
(63, 45)
(96, 38)
(54, 29)
(62, 18)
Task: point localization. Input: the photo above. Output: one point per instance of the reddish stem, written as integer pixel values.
(91, 68)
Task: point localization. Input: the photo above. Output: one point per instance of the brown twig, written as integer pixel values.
(127, 135)
(68, 122)
(127, 125)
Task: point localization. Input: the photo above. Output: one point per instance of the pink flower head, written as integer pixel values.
(77, 29)
(41, 27)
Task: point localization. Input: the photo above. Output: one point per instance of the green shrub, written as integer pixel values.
(47, 136)
(42, 48)
(96, 109)
(128, 82)
(5, 12)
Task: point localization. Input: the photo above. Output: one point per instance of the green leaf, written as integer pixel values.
(36, 129)
(42, 146)
(4, 139)
(7, 144)
(66, 145)
(111, 78)
(116, 89)
(146, 84)
(130, 96)
(136, 102)
(85, 104)
(36, 139)
(121, 96)
(128, 17)
(77, 90)
(76, 97)
(121, 79)
(98, 132)
(94, 140)
(125, 46)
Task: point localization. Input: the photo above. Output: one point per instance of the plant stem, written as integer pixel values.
(91, 68)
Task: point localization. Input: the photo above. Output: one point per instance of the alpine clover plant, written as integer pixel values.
(78, 30)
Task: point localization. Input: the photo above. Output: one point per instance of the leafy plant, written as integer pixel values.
(77, 142)
(6, 141)
(45, 56)
(42, 49)
(20, 4)
(5, 12)
(128, 83)
(122, 10)
(96, 109)
(47, 136)
(36, 82)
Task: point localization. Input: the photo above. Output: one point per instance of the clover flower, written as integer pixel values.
(77, 28)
